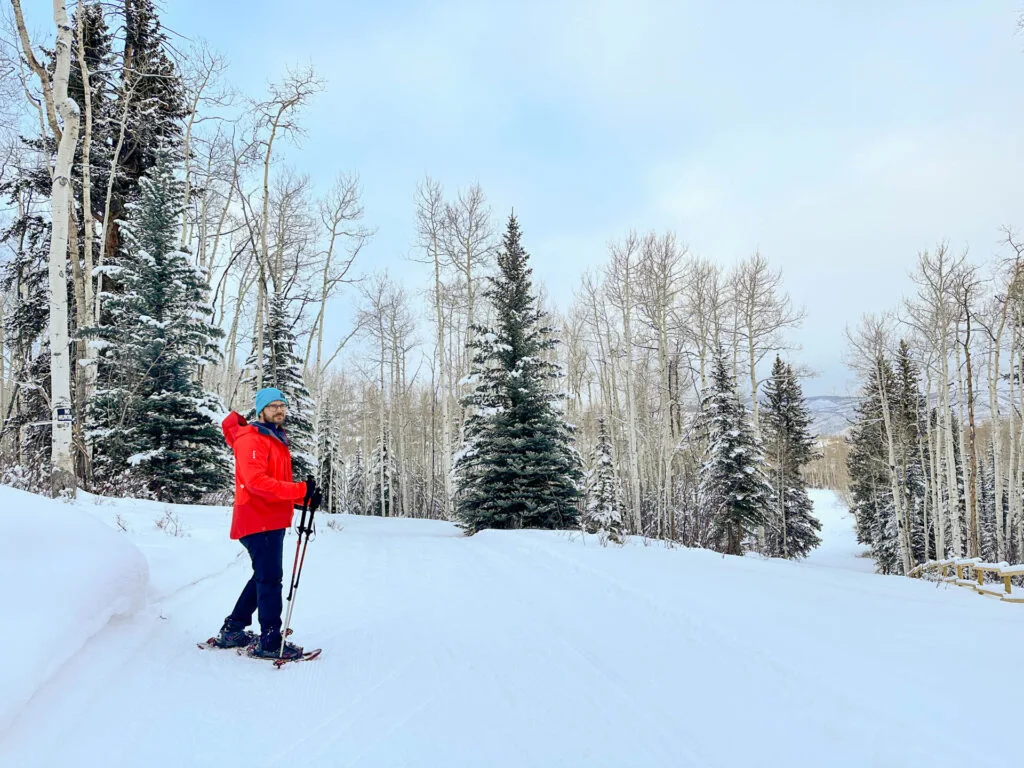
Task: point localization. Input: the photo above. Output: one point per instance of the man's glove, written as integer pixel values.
(314, 503)
(310, 490)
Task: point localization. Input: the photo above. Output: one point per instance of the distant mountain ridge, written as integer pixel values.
(831, 415)
(834, 415)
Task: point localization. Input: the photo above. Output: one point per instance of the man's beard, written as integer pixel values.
(277, 419)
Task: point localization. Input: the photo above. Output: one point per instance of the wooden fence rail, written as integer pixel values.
(971, 573)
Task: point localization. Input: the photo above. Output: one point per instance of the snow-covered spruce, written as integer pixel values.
(789, 445)
(356, 493)
(330, 469)
(517, 467)
(734, 492)
(875, 471)
(23, 278)
(603, 512)
(149, 422)
(384, 477)
(277, 365)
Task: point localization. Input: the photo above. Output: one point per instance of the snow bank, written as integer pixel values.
(184, 544)
(65, 576)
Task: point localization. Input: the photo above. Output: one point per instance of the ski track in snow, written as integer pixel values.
(533, 649)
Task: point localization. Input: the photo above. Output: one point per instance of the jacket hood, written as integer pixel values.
(234, 426)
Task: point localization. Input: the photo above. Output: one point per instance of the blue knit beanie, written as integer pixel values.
(267, 396)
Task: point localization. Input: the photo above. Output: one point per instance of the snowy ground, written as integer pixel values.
(512, 649)
(839, 547)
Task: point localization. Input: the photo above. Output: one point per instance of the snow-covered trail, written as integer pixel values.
(532, 649)
(839, 547)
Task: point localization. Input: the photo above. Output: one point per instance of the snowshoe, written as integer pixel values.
(272, 652)
(229, 639)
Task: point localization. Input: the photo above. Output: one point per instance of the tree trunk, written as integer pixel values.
(995, 345)
(63, 471)
(405, 467)
(972, 451)
(1012, 441)
(108, 232)
(88, 351)
(946, 432)
(381, 416)
(442, 387)
(634, 459)
(940, 511)
(897, 493)
(924, 500)
(1018, 475)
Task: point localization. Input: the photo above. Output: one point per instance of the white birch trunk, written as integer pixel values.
(897, 493)
(634, 459)
(1018, 475)
(961, 398)
(381, 416)
(443, 390)
(935, 481)
(63, 477)
(995, 344)
(1012, 442)
(946, 431)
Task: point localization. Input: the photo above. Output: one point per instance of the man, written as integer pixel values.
(265, 497)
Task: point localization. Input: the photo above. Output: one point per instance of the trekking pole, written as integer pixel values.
(291, 583)
(297, 568)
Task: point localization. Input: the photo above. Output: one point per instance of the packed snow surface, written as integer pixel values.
(516, 649)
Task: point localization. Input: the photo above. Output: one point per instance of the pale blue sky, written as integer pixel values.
(839, 138)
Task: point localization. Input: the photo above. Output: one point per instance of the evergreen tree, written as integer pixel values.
(955, 503)
(868, 463)
(384, 480)
(603, 491)
(356, 492)
(98, 51)
(909, 407)
(329, 472)
(921, 541)
(150, 99)
(950, 505)
(885, 545)
(987, 506)
(155, 90)
(789, 445)
(734, 489)
(864, 459)
(151, 424)
(282, 368)
(24, 277)
(517, 467)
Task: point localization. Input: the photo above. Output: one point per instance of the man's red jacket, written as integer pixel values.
(265, 495)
